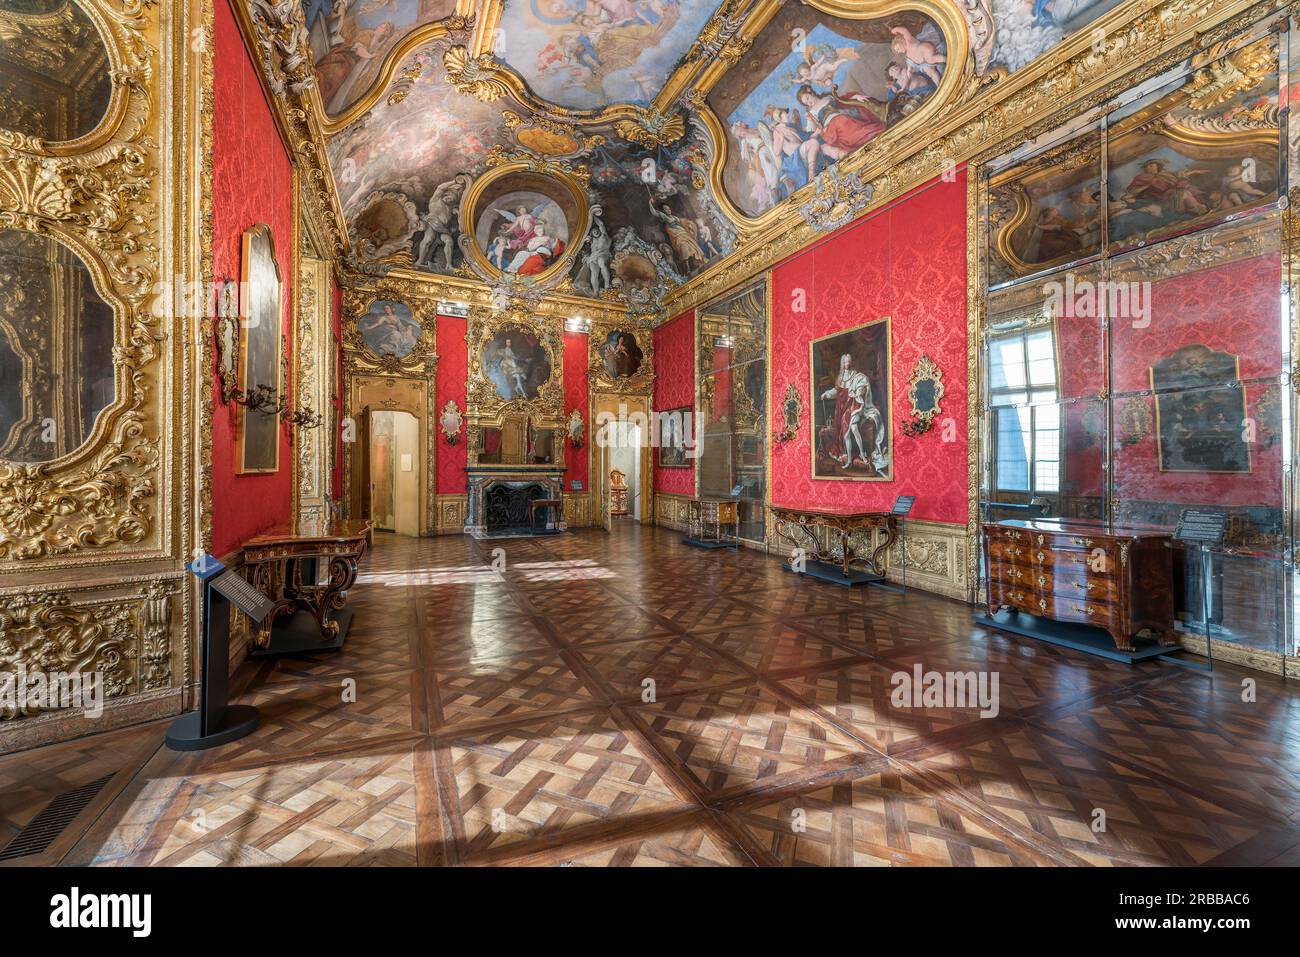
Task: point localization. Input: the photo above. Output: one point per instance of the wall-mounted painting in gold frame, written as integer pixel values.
(835, 387)
(259, 350)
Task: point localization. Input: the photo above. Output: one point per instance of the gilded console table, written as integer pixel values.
(1114, 577)
(283, 563)
(799, 526)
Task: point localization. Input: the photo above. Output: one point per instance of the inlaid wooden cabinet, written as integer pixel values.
(1117, 578)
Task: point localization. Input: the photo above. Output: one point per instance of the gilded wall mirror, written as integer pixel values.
(56, 349)
(260, 351)
(451, 421)
(54, 52)
(791, 414)
(924, 392)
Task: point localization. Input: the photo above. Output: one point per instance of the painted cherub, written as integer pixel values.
(1237, 189)
(923, 56)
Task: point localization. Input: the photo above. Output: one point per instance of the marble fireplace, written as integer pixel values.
(499, 496)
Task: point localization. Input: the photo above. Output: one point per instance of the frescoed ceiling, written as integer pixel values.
(672, 126)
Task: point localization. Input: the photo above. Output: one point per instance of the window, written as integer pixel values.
(1023, 391)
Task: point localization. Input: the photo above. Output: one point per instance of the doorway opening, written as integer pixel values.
(395, 472)
(622, 473)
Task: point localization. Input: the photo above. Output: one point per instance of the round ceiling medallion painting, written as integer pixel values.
(523, 226)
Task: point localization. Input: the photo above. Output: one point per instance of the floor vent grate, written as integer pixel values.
(45, 828)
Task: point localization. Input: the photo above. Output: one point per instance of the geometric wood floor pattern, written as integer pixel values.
(625, 700)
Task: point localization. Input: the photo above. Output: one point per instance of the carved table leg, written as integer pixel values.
(881, 550)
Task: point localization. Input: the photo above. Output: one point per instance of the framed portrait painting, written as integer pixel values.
(516, 363)
(672, 438)
(850, 389)
(259, 350)
(1200, 407)
(389, 329)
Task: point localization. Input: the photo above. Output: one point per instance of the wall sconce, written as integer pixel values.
(575, 428)
(303, 418)
(451, 421)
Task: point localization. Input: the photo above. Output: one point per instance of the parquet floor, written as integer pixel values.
(626, 700)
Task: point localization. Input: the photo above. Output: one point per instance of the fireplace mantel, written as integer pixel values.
(484, 477)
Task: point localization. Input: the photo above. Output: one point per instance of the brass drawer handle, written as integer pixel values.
(1085, 610)
(1085, 542)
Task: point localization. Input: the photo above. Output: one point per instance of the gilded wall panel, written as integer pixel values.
(105, 234)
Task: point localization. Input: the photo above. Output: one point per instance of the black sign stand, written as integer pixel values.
(1204, 528)
(217, 722)
(902, 507)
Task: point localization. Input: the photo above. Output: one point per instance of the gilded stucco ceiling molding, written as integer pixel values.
(277, 31)
(456, 26)
(102, 205)
(1072, 79)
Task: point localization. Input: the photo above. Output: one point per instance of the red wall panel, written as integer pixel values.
(908, 262)
(577, 461)
(674, 388)
(453, 370)
(252, 183)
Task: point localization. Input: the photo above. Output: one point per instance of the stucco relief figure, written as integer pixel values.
(593, 273)
(440, 223)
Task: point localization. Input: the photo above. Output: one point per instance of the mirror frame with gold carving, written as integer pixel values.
(484, 406)
(925, 371)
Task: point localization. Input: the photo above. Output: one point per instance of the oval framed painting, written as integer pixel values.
(520, 225)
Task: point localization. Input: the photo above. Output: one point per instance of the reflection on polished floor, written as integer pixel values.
(500, 719)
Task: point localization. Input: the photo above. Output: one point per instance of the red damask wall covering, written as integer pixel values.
(674, 387)
(907, 261)
(449, 385)
(252, 183)
(577, 461)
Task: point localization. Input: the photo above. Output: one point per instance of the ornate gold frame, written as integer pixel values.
(245, 261)
(501, 166)
(93, 545)
(422, 360)
(885, 415)
(484, 407)
(599, 378)
(926, 371)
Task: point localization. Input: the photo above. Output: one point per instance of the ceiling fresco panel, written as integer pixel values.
(403, 167)
(350, 39)
(587, 54)
(657, 224)
(1026, 29)
(817, 88)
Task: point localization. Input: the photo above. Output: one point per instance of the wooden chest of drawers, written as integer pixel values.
(1116, 578)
